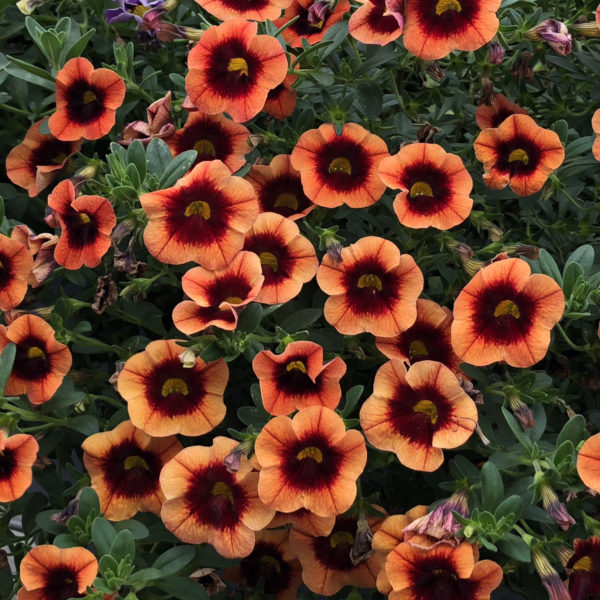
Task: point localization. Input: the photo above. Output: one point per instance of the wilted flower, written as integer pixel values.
(318, 12)
(555, 33)
(363, 546)
(130, 9)
(550, 578)
(153, 25)
(521, 411)
(556, 509)
(496, 52)
(159, 125)
(522, 67)
(106, 294)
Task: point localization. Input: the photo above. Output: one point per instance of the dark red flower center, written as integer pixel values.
(434, 578)
(82, 230)
(428, 188)
(292, 377)
(229, 288)
(423, 341)
(501, 115)
(6, 271)
(8, 464)
(444, 18)
(266, 561)
(378, 20)
(32, 362)
(283, 195)
(209, 139)
(343, 164)
(85, 102)
(333, 551)
(61, 584)
(275, 258)
(518, 156)
(50, 152)
(303, 26)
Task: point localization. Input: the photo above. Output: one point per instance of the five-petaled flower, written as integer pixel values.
(377, 21)
(17, 455)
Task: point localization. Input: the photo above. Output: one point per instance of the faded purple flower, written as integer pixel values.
(550, 578)
(130, 9)
(318, 12)
(556, 509)
(395, 8)
(159, 123)
(496, 52)
(555, 33)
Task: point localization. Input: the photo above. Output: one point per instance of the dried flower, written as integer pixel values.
(521, 411)
(556, 509)
(362, 547)
(550, 578)
(159, 125)
(318, 12)
(106, 294)
(555, 33)
(496, 52)
(522, 66)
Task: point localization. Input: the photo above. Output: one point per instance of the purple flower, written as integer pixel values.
(130, 9)
(555, 33)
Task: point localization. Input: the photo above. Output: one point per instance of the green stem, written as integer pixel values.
(567, 339)
(31, 416)
(14, 109)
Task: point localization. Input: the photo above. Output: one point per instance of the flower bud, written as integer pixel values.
(521, 411)
(556, 509)
(318, 12)
(522, 66)
(550, 578)
(496, 52)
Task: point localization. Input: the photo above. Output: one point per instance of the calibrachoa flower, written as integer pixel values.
(418, 412)
(274, 560)
(281, 100)
(500, 109)
(420, 574)
(255, 10)
(428, 338)
(86, 101)
(36, 162)
(304, 521)
(130, 9)
(41, 362)
(217, 297)
(52, 573)
(596, 129)
(588, 463)
(165, 397)
(518, 153)
(340, 169)
(555, 33)
(584, 569)
(433, 29)
(124, 465)
(207, 503)
(288, 259)
(41, 248)
(86, 223)
(297, 378)
(375, 23)
(16, 264)
(310, 461)
(374, 288)
(203, 218)
(17, 455)
(435, 186)
(326, 563)
(279, 188)
(505, 313)
(213, 137)
(232, 69)
(310, 26)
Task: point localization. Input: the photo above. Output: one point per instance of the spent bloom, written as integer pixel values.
(555, 33)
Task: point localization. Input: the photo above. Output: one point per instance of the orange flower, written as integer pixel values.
(298, 378)
(310, 461)
(326, 564)
(595, 127)
(374, 23)
(340, 169)
(588, 463)
(307, 27)
(86, 101)
(164, 397)
(418, 412)
(42, 248)
(435, 186)
(583, 568)
(494, 115)
(208, 503)
(16, 264)
(217, 297)
(41, 362)
(518, 153)
(505, 313)
(203, 218)
(281, 100)
(419, 574)
(255, 10)
(213, 137)
(374, 288)
(279, 188)
(304, 521)
(52, 573)
(427, 339)
(274, 561)
(232, 69)
(86, 223)
(287, 258)
(17, 455)
(434, 28)
(124, 464)
(35, 163)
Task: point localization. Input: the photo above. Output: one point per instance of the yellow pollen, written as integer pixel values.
(507, 307)
(203, 147)
(270, 564)
(68, 580)
(287, 201)
(239, 65)
(268, 259)
(296, 365)
(420, 188)
(222, 489)
(89, 96)
(199, 207)
(341, 537)
(417, 348)
(427, 407)
(84, 218)
(519, 155)
(310, 452)
(370, 280)
(340, 165)
(440, 572)
(35, 352)
(444, 5)
(585, 563)
(174, 386)
(233, 300)
(1, 265)
(59, 159)
(135, 461)
(140, 10)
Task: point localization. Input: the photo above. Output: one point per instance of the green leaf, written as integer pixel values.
(66, 540)
(574, 429)
(109, 567)
(144, 576)
(77, 48)
(103, 535)
(183, 588)
(88, 501)
(44, 521)
(250, 415)
(572, 274)
(515, 547)
(549, 267)
(7, 359)
(516, 429)
(137, 530)
(178, 167)
(123, 546)
(137, 156)
(583, 256)
(174, 559)
(352, 397)
(2, 208)
(250, 317)
(370, 99)
(492, 488)
(85, 424)
(510, 505)
(159, 156)
(134, 176)
(301, 319)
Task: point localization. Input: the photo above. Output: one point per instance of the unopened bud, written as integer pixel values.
(188, 359)
(496, 52)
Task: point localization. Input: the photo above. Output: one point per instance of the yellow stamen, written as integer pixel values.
(203, 147)
(234, 300)
(59, 159)
(135, 461)
(140, 10)
(340, 165)
(174, 386)
(269, 259)
(222, 489)
(341, 537)
(84, 218)
(1, 265)
(287, 201)
(370, 280)
(427, 407)
(519, 155)
(270, 564)
(585, 563)
(507, 307)
(89, 96)
(199, 207)
(68, 581)
(440, 572)
(296, 365)
(310, 452)
(417, 348)
(238, 64)
(420, 188)
(444, 5)
(35, 352)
